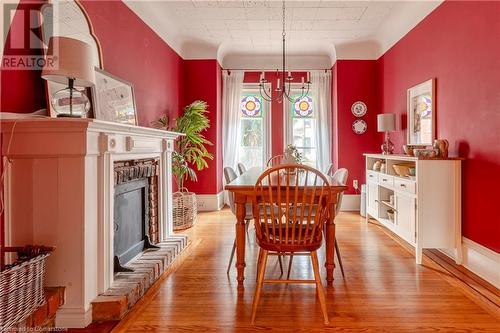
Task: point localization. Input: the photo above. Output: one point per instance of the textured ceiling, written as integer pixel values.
(254, 27)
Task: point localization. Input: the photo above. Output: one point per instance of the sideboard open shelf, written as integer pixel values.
(427, 207)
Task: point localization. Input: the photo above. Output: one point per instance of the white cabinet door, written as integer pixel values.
(405, 216)
(372, 200)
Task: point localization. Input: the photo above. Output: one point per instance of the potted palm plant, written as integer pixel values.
(190, 155)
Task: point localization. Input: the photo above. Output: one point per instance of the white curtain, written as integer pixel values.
(231, 96)
(321, 89)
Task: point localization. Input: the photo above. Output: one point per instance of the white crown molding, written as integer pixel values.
(153, 18)
(360, 50)
(404, 16)
(268, 62)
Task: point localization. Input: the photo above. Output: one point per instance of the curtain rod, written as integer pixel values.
(273, 70)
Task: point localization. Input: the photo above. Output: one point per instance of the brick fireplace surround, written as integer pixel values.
(59, 191)
(125, 171)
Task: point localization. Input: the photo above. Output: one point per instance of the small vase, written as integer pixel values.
(387, 147)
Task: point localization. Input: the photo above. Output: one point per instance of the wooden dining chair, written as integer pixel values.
(340, 176)
(285, 186)
(230, 175)
(241, 168)
(329, 169)
(275, 160)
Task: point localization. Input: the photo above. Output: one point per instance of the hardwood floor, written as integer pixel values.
(383, 289)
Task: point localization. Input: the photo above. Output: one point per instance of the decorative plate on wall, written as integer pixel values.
(359, 109)
(359, 126)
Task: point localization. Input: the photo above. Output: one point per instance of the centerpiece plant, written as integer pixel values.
(292, 155)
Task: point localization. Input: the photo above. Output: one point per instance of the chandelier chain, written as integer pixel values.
(284, 25)
(282, 91)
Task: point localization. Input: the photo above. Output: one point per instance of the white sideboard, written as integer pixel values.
(427, 207)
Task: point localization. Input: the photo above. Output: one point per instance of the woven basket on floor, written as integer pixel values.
(21, 286)
(184, 209)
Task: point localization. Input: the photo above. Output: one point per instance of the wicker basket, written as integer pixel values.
(21, 285)
(184, 209)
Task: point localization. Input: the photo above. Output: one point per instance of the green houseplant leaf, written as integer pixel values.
(190, 150)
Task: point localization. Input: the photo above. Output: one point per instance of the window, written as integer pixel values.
(301, 126)
(254, 139)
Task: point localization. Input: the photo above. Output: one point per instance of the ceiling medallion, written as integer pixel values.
(282, 91)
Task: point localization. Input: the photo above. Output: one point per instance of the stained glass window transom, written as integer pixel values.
(302, 107)
(251, 106)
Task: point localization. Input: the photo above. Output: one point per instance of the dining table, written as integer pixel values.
(243, 189)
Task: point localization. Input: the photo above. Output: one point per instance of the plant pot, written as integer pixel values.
(185, 209)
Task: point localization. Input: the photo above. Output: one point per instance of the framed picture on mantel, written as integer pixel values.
(114, 99)
(421, 114)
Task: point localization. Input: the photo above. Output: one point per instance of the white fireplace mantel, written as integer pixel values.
(59, 192)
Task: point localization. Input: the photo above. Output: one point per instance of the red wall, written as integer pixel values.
(459, 45)
(133, 51)
(202, 80)
(277, 140)
(22, 91)
(354, 80)
(130, 50)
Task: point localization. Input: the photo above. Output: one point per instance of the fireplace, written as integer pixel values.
(66, 171)
(135, 210)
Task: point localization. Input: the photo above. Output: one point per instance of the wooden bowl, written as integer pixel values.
(408, 150)
(402, 170)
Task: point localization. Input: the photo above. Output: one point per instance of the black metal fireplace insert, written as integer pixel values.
(131, 220)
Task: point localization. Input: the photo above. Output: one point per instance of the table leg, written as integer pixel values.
(240, 240)
(329, 249)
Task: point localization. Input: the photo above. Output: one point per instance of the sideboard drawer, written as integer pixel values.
(404, 185)
(371, 176)
(386, 180)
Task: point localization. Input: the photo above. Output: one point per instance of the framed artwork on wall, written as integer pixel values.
(114, 99)
(421, 114)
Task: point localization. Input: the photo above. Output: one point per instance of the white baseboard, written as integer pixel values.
(479, 260)
(350, 203)
(210, 202)
(73, 318)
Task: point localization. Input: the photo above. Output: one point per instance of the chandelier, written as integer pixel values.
(283, 86)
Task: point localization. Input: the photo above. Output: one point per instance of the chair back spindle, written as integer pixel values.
(301, 193)
(275, 160)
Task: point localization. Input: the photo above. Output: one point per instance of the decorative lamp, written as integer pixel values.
(386, 123)
(69, 62)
